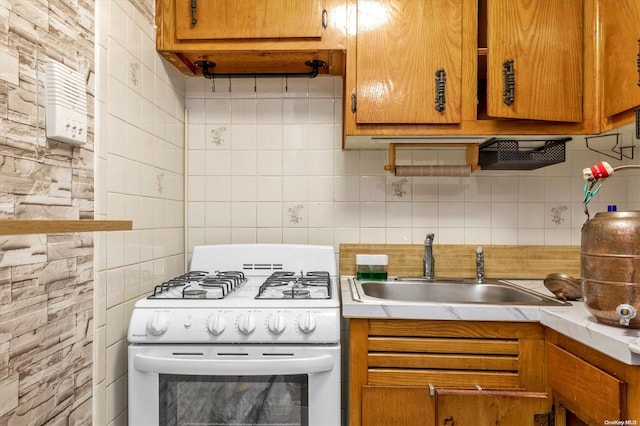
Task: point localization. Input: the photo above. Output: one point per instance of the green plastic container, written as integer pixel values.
(371, 267)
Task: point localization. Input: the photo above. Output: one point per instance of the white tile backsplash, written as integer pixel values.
(269, 215)
(243, 137)
(269, 188)
(140, 155)
(399, 215)
(372, 188)
(282, 154)
(321, 188)
(269, 111)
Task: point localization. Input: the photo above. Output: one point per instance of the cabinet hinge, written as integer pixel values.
(638, 62)
(545, 419)
(324, 19)
(354, 103)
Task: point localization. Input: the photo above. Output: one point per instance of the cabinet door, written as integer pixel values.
(505, 408)
(400, 47)
(620, 55)
(248, 19)
(590, 393)
(414, 406)
(397, 406)
(535, 46)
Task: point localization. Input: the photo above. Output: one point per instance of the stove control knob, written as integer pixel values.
(216, 325)
(277, 324)
(307, 323)
(158, 324)
(247, 324)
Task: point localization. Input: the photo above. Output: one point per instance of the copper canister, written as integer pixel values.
(610, 267)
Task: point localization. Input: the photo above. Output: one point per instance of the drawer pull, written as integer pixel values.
(194, 18)
(441, 81)
(508, 91)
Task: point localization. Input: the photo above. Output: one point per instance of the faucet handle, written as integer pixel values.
(429, 238)
(479, 264)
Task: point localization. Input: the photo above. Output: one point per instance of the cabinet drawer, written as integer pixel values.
(443, 361)
(583, 388)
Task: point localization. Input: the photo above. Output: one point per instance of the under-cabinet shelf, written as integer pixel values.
(22, 227)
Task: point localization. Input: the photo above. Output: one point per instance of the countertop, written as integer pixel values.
(574, 321)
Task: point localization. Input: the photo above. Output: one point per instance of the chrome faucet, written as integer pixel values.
(429, 270)
(479, 264)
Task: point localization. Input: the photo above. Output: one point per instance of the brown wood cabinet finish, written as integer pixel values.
(401, 45)
(620, 29)
(500, 408)
(575, 61)
(283, 35)
(421, 406)
(567, 57)
(415, 360)
(588, 386)
(248, 19)
(45, 226)
(543, 41)
(574, 382)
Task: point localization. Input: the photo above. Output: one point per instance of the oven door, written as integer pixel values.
(234, 385)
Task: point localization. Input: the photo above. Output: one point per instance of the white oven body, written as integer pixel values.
(204, 383)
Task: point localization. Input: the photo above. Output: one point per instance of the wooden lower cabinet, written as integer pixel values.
(419, 372)
(413, 406)
(588, 387)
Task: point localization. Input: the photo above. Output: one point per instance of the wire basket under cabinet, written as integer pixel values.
(521, 154)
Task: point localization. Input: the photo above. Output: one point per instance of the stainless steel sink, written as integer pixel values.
(467, 291)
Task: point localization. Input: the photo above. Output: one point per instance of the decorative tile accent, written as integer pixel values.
(399, 188)
(134, 73)
(217, 136)
(294, 214)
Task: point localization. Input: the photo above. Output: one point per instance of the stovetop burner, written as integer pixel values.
(194, 293)
(296, 293)
(199, 285)
(288, 285)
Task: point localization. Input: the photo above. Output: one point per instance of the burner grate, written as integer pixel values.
(195, 284)
(289, 285)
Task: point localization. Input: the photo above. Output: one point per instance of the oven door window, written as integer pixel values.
(233, 400)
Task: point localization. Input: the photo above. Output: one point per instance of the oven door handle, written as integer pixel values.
(227, 367)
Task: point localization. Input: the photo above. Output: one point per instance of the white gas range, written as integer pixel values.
(248, 322)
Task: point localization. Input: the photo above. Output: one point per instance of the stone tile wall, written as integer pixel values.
(46, 281)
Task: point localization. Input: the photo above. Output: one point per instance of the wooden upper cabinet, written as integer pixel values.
(535, 52)
(620, 23)
(248, 19)
(408, 61)
(252, 36)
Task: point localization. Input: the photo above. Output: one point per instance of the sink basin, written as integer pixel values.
(420, 290)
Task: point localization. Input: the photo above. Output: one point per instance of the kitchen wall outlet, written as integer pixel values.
(65, 104)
